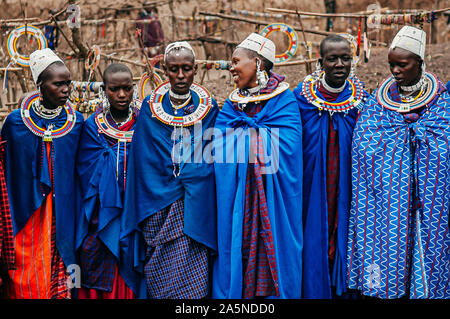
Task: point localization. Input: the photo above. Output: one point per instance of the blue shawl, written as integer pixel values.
(151, 186)
(97, 165)
(398, 238)
(283, 191)
(27, 176)
(316, 274)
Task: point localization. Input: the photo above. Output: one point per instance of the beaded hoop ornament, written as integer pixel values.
(143, 82)
(309, 92)
(236, 95)
(293, 40)
(47, 133)
(422, 99)
(94, 53)
(20, 59)
(205, 104)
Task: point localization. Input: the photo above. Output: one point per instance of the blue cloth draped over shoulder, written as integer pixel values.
(283, 191)
(398, 241)
(316, 272)
(151, 186)
(97, 166)
(28, 179)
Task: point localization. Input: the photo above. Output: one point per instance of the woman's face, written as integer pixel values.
(180, 68)
(336, 62)
(119, 90)
(243, 69)
(56, 89)
(405, 66)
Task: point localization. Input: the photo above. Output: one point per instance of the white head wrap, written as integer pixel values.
(261, 45)
(410, 39)
(40, 60)
(178, 45)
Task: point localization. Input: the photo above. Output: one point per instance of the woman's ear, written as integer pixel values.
(195, 68)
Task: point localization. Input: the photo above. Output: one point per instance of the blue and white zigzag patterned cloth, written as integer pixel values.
(399, 241)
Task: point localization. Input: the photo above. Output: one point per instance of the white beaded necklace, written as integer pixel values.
(331, 89)
(179, 96)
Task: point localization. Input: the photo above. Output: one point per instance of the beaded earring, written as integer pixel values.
(41, 98)
(261, 76)
(317, 71)
(105, 101)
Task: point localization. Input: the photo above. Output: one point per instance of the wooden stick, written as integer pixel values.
(343, 15)
(253, 21)
(297, 62)
(63, 34)
(307, 65)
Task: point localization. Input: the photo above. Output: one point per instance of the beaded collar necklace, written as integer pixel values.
(309, 90)
(49, 133)
(106, 128)
(155, 102)
(429, 92)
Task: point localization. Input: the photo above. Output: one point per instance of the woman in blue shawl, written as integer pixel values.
(41, 145)
(168, 230)
(102, 165)
(258, 169)
(398, 241)
(328, 100)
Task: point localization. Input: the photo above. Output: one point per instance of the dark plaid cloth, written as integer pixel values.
(97, 262)
(332, 177)
(177, 266)
(7, 253)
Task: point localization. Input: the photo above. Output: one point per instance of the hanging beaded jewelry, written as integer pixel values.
(49, 133)
(429, 91)
(178, 107)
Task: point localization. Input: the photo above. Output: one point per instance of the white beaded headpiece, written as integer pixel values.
(40, 60)
(261, 45)
(178, 45)
(410, 39)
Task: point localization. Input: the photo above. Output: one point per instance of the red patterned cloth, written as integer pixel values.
(332, 177)
(7, 255)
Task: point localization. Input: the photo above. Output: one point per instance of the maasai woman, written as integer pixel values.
(41, 144)
(170, 193)
(102, 164)
(328, 101)
(398, 241)
(259, 218)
